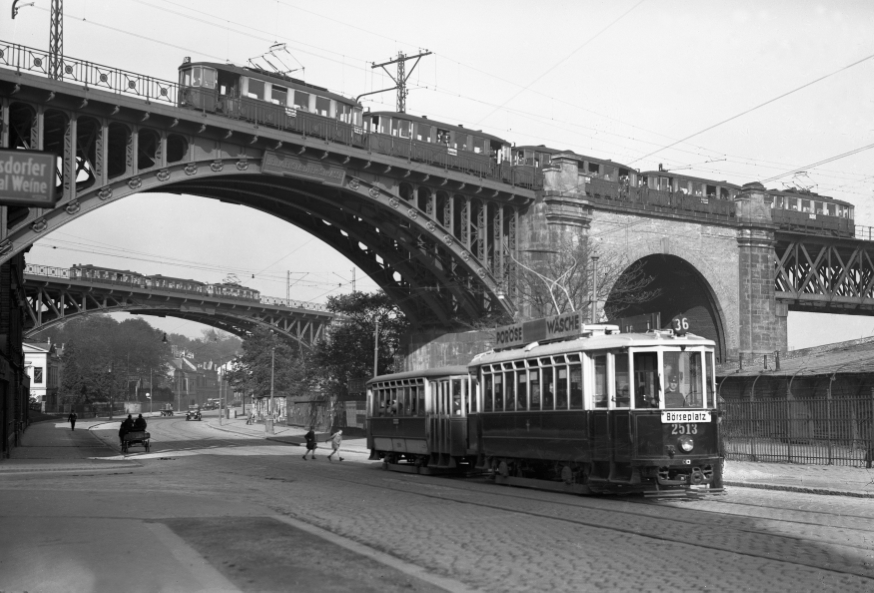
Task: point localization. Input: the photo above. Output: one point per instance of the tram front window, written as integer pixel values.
(684, 376)
(646, 380)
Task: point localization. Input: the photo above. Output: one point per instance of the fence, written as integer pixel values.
(820, 431)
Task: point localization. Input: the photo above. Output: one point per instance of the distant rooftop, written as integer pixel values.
(851, 357)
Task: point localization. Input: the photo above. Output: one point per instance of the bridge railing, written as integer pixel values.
(865, 233)
(89, 74)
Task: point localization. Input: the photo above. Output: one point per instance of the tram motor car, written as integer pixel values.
(561, 405)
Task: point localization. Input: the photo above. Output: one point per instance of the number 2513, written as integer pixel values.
(684, 429)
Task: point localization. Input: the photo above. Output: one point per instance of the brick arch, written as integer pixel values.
(690, 285)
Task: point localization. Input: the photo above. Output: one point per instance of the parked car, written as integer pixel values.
(193, 414)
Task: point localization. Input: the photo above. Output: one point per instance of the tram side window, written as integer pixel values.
(534, 389)
(420, 397)
(323, 106)
(548, 388)
(561, 401)
(600, 393)
(621, 381)
(456, 396)
(576, 386)
(711, 380)
(510, 395)
(487, 392)
(279, 95)
(522, 390)
(408, 409)
(499, 391)
(646, 380)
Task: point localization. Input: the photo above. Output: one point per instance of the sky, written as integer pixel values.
(738, 90)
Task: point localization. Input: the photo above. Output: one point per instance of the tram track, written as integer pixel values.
(722, 535)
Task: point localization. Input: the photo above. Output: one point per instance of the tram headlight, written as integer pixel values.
(686, 443)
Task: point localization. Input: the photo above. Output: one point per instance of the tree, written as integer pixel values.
(348, 350)
(252, 368)
(560, 281)
(102, 357)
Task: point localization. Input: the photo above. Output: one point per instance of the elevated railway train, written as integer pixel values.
(585, 409)
(286, 103)
(101, 275)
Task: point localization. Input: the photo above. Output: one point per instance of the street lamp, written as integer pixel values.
(268, 422)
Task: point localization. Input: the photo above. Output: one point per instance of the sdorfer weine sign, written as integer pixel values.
(537, 330)
(27, 178)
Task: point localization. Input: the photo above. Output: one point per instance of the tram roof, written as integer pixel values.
(597, 342)
(435, 372)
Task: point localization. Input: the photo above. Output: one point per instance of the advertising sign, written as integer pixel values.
(537, 330)
(27, 178)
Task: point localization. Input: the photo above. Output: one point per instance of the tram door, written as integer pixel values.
(447, 421)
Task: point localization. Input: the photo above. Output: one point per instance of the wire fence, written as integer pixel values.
(818, 431)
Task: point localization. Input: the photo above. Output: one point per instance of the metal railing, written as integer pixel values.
(89, 74)
(64, 273)
(822, 431)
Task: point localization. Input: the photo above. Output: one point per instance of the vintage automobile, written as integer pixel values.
(193, 414)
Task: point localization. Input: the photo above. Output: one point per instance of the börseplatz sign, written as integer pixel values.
(27, 178)
(538, 330)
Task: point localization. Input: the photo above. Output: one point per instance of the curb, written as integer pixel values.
(801, 489)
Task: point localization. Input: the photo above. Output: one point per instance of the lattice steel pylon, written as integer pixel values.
(401, 79)
(56, 41)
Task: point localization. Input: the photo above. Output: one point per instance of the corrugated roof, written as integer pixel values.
(854, 357)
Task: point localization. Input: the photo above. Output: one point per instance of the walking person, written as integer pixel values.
(336, 439)
(72, 420)
(310, 437)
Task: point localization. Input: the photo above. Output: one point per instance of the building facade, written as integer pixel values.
(43, 365)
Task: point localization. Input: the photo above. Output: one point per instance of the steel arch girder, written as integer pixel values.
(334, 236)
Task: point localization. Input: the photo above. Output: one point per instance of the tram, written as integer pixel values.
(564, 406)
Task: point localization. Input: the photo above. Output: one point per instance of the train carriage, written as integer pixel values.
(600, 412)
(271, 99)
(92, 273)
(417, 421)
(229, 290)
(805, 211)
(169, 283)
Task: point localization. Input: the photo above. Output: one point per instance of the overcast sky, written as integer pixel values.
(741, 91)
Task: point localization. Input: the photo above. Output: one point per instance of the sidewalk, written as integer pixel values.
(53, 446)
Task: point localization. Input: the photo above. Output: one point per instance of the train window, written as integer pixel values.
(400, 128)
(573, 357)
(302, 100)
(456, 396)
(576, 386)
(805, 205)
(724, 194)
(344, 113)
(600, 393)
(323, 106)
(534, 389)
(521, 390)
(561, 388)
(711, 380)
(477, 145)
(549, 388)
(664, 184)
(510, 395)
(443, 136)
(209, 78)
(832, 210)
(498, 382)
(710, 191)
(778, 202)
(621, 381)
(423, 132)
(646, 380)
(593, 168)
(279, 95)
(256, 89)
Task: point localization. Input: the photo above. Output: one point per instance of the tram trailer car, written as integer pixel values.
(417, 420)
(607, 412)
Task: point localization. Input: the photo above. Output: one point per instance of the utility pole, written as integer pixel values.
(268, 422)
(56, 41)
(376, 348)
(288, 285)
(401, 79)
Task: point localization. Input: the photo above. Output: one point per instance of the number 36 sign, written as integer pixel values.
(680, 325)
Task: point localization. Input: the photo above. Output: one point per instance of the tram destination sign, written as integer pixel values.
(27, 178)
(539, 330)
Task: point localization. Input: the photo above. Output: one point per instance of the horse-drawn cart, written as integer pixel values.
(135, 437)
